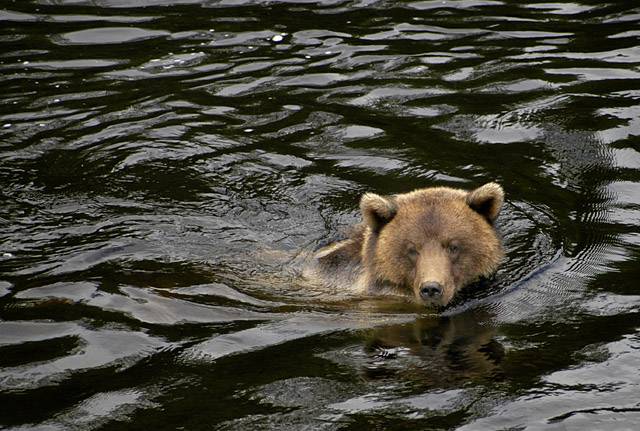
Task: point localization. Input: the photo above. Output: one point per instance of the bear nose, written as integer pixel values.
(430, 290)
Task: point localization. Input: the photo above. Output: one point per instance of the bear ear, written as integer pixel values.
(487, 200)
(377, 210)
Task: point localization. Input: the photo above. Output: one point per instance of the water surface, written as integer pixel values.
(165, 165)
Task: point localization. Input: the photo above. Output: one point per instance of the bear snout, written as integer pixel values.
(430, 290)
(434, 293)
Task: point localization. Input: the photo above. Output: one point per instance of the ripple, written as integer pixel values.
(424, 405)
(120, 3)
(595, 73)
(83, 259)
(623, 55)
(242, 39)
(172, 65)
(625, 34)
(286, 393)
(454, 4)
(494, 129)
(389, 94)
(565, 398)
(7, 15)
(531, 34)
(78, 291)
(628, 117)
(103, 348)
(73, 64)
(107, 35)
(314, 80)
(221, 290)
(375, 164)
(432, 111)
(627, 203)
(421, 32)
(608, 304)
(246, 87)
(562, 8)
(148, 306)
(5, 288)
(101, 409)
(360, 132)
(274, 333)
(519, 86)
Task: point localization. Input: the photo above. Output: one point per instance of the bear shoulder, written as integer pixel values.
(340, 263)
(345, 252)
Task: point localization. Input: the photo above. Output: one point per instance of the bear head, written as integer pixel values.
(431, 242)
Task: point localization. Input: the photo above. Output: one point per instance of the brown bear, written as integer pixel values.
(426, 244)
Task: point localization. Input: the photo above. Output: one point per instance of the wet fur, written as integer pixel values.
(450, 229)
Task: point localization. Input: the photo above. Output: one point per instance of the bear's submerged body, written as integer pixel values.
(426, 245)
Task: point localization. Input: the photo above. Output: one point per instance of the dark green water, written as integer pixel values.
(162, 162)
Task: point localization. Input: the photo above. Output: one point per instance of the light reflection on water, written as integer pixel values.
(166, 165)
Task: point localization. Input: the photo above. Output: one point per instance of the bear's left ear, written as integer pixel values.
(377, 210)
(487, 200)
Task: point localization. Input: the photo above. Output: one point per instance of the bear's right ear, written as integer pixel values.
(377, 210)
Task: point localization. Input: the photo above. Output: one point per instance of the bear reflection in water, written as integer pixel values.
(425, 245)
(435, 350)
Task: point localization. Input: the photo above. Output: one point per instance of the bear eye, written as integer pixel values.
(453, 249)
(412, 252)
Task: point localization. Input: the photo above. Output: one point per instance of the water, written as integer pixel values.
(165, 165)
